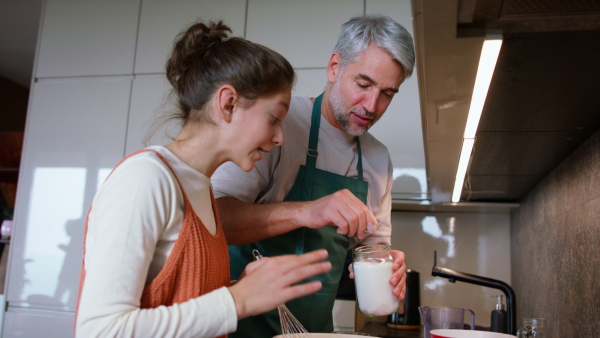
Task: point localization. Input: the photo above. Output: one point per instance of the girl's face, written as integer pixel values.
(260, 128)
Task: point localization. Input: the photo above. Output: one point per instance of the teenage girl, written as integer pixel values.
(155, 255)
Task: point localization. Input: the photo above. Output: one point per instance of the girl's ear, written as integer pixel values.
(333, 67)
(226, 102)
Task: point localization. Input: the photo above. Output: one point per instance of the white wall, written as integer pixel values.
(478, 244)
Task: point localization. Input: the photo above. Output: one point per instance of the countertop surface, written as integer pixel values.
(382, 330)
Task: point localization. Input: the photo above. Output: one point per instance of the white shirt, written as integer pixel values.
(134, 223)
(273, 176)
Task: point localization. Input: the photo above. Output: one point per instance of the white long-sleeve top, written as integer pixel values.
(135, 220)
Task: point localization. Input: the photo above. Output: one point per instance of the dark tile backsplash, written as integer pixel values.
(555, 243)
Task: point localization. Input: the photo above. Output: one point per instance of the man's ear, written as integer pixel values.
(333, 67)
(226, 102)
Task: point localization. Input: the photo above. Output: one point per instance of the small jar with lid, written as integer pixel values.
(533, 327)
(372, 266)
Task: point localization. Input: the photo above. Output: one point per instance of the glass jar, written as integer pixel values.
(372, 266)
(533, 327)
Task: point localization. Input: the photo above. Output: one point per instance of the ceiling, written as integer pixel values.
(543, 100)
(542, 103)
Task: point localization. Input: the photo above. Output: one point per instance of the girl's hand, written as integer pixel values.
(272, 281)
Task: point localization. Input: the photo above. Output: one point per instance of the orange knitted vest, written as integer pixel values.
(198, 263)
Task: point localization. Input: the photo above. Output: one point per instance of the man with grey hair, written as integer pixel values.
(329, 184)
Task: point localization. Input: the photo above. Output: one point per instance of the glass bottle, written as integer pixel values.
(372, 266)
(533, 327)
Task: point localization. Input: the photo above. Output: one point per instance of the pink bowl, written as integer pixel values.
(324, 335)
(449, 333)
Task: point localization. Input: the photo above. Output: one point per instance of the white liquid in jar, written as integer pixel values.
(373, 289)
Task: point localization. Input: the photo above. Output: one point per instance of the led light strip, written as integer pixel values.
(485, 71)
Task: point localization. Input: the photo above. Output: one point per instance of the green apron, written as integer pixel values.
(313, 311)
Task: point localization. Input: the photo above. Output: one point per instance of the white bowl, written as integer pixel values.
(449, 333)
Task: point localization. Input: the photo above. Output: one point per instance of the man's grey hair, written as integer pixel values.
(360, 32)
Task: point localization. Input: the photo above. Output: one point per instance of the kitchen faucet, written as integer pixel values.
(454, 276)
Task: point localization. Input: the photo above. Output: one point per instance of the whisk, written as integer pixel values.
(290, 326)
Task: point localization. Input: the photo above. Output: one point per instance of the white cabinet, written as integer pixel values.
(344, 315)
(310, 82)
(161, 21)
(399, 10)
(150, 105)
(75, 135)
(302, 31)
(80, 38)
(400, 128)
(100, 88)
(24, 323)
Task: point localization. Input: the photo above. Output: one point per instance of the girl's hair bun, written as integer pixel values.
(192, 44)
(205, 57)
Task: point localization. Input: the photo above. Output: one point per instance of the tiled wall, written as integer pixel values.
(555, 241)
(474, 243)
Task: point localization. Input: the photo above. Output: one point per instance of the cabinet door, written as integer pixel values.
(161, 21)
(302, 31)
(150, 108)
(81, 38)
(20, 322)
(400, 128)
(310, 82)
(75, 134)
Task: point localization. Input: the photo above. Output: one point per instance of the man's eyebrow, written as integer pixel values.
(368, 78)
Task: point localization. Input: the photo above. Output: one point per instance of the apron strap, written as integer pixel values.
(312, 153)
(359, 166)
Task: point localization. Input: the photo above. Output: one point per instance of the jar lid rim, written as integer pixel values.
(371, 248)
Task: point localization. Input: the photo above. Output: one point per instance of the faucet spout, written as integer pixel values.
(511, 305)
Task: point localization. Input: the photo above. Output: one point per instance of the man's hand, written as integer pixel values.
(398, 279)
(341, 209)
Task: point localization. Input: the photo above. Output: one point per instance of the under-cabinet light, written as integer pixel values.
(463, 163)
(485, 71)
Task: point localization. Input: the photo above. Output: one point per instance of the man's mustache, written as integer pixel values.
(365, 113)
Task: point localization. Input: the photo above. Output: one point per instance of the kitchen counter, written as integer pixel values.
(382, 330)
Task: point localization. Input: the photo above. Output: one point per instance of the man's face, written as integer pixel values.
(361, 92)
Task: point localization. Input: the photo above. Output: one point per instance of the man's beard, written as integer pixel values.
(343, 116)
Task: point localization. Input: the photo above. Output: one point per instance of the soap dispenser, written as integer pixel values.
(499, 317)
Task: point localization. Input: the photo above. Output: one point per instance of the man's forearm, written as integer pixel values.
(245, 223)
